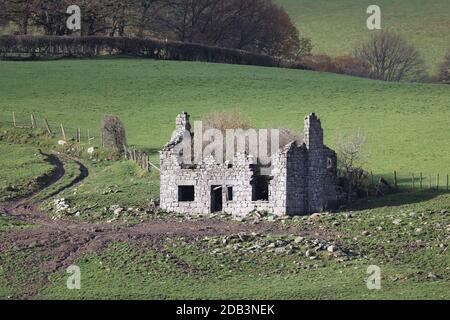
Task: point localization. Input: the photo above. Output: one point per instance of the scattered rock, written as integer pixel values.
(331, 248)
(61, 205)
(280, 250)
(118, 211)
(298, 239)
(315, 215)
(431, 275)
(91, 150)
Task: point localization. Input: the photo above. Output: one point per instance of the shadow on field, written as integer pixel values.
(401, 197)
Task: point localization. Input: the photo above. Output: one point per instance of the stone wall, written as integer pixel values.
(303, 177)
(297, 175)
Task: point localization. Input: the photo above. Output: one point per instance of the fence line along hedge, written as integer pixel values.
(92, 46)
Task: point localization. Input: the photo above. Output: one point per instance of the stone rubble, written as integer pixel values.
(244, 243)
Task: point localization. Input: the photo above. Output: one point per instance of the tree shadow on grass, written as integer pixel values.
(399, 198)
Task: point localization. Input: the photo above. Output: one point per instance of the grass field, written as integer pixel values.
(337, 26)
(20, 168)
(407, 125)
(411, 254)
(406, 254)
(406, 234)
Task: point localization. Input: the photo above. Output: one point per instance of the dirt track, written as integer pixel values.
(64, 240)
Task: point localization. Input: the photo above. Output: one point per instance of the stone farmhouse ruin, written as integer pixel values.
(302, 179)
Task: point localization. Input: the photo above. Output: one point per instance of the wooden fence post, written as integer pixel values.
(49, 131)
(413, 180)
(33, 122)
(63, 132)
(429, 178)
(446, 188)
(78, 135)
(437, 182)
(395, 179)
(14, 119)
(125, 151)
(421, 180)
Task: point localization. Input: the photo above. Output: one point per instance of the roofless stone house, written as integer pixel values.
(301, 179)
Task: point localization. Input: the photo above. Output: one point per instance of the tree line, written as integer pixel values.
(253, 25)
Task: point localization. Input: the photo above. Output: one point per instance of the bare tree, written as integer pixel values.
(228, 119)
(304, 48)
(444, 69)
(351, 158)
(254, 25)
(113, 133)
(51, 16)
(390, 57)
(145, 13)
(17, 11)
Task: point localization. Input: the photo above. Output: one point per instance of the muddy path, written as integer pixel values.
(56, 244)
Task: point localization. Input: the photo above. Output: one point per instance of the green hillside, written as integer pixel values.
(337, 26)
(407, 125)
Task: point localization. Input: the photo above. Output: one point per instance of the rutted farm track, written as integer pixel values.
(56, 244)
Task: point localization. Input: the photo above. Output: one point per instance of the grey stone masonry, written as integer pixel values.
(302, 178)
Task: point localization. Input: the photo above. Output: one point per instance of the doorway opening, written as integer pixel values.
(216, 199)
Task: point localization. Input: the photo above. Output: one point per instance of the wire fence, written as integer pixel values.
(57, 129)
(421, 181)
(417, 180)
(87, 136)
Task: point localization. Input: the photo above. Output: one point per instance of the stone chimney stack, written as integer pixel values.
(182, 123)
(313, 133)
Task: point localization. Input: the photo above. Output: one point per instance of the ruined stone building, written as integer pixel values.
(302, 178)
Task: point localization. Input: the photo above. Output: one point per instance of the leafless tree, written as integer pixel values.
(228, 119)
(17, 11)
(144, 16)
(351, 158)
(444, 69)
(254, 25)
(113, 133)
(304, 48)
(50, 15)
(390, 57)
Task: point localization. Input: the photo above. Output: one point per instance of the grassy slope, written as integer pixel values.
(406, 253)
(20, 167)
(337, 26)
(120, 183)
(130, 274)
(109, 183)
(406, 124)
